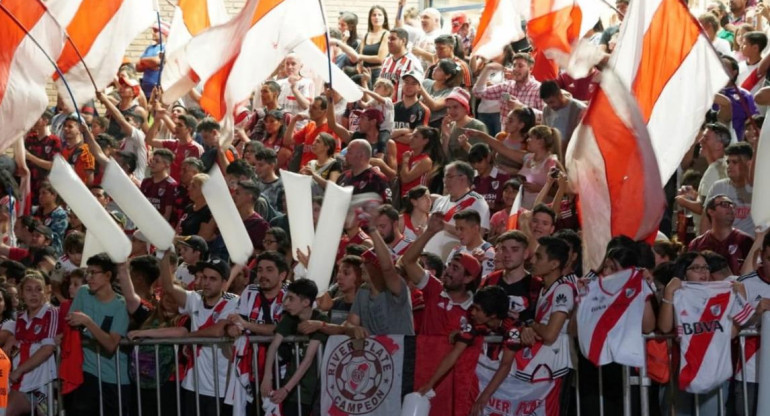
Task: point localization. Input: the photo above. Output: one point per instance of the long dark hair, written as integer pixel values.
(683, 262)
(7, 314)
(433, 149)
(278, 115)
(385, 24)
(453, 72)
(414, 193)
(351, 19)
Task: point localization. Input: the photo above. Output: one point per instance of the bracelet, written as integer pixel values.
(664, 300)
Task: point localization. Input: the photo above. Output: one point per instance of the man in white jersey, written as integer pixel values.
(468, 227)
(208, 310)
(458, 180)
(386, 222)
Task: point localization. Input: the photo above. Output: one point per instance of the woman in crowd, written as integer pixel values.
(197, 218)
(421, 162)
(325, 167)
(348, 26)
(52, 215)
(510, 145)
(543, 144)
(498, 224)
(414, 220)
(275, 128)
(489, 110)
(446, 76)
(374, 48)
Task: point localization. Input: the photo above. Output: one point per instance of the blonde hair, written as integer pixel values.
(200, 178)
(551, 137)
(385, 83)
(32, 275)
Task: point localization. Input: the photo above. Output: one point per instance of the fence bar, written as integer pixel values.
(299, 389)
(626, 391)
(177, 381)
(99, 370)
(763, 393)
(601, 393)
(117, 373)
(195, 379)
(215, 362)
(157, 377)
(138, 383)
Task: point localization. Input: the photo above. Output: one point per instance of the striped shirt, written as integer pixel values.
(528, 93)
(393, 68)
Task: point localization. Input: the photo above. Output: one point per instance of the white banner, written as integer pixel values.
(362, 377)
(517, 397)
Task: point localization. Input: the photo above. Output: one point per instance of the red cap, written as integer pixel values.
(130, 82)
(164, 27)
(470, 264)
(374, 114)
(461, 96)
(458, 21)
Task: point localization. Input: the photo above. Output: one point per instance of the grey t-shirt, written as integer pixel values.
(455, 151)
(385, 313)
(742, 199)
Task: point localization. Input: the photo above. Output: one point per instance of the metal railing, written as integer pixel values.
(636, 382)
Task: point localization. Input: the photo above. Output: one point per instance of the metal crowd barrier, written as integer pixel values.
(631, 381)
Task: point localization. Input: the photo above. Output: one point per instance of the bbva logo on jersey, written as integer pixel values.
(696, 328)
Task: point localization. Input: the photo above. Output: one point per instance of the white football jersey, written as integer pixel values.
(204, 365)
(609, 319)
(547, 362)
(705, 313)
(756, 289)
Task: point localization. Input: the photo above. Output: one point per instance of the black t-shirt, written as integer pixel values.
(523, 289)
(192, 220)
(367, 181)
(410, 117)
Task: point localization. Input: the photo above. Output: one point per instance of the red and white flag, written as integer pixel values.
(513, 217)
(192, 17)
(499, 25)
(673, 72)
(612, 167)
(232, 59)
(102, 30)
(24, 69)
(555, 25)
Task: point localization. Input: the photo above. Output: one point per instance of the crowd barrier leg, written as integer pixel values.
(601, 393)
(157, 378)
(99, 370)
(697, 405)
(117, 373)
(626, 391)
(763, 394)
(255, 365)
(215, 362)
(644, 390)
(577, 390)
(744, 383)
(195, 379)
(299, 385)
(138, 384)
(177, 381)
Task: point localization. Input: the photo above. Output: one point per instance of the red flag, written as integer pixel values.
(555, 25)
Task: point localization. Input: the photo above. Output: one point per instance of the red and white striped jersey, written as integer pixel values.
(33, 333)
(705, 313)
(609, 319)
(547, 362)
(399, 248)
(756, 288)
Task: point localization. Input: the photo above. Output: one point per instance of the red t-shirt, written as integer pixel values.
(160, 194)
(308, 134)
(181, 152)
(734, 248)
(441, 315)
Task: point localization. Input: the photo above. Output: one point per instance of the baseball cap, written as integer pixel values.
(130, 82)
(470, 264)
(164, 27)
(458, 21)
(218, 265)
(196, 243)
(373, 114)
(417, 75)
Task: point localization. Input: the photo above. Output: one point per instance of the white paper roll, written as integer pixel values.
(226, 215)
(760, 198)
(91, 247)
(97, 221)
(299, 208)
(327, 237)
(136, 206)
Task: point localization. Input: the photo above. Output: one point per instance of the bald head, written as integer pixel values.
(358, 155)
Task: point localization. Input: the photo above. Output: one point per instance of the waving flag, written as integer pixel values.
(612, 166)
(24, 69)
(500, 24)
(673, 72)
(513, 217)
(192, 17)
(555, 25)
(102, 31)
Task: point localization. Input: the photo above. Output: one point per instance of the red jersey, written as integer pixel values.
(81, 159)
(491, 188)
(734, 248)
(420, 180)
(181, 152)
(307, 135)
(442, 316)
(160, 194)
(45, 148)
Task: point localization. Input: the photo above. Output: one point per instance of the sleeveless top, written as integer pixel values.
(372, 50)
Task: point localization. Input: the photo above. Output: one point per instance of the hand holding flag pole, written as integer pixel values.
(51, 60)
(156, 6)
(328, 44)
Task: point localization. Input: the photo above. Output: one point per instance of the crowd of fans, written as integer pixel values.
(446, 139)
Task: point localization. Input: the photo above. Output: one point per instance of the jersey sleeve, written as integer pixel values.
(563, 299)
(189, 304)
(229, 309)
(512, 336)
(741, 311)
(467, 332)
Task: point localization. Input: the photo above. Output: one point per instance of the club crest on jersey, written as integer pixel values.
(413, 118)
(495, 184)
(48, 149)
(732, 248)
(37, 329)
(716, 310)
(630, 292)
(527, 353)
(161, 191)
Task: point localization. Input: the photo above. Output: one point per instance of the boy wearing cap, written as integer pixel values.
(409, 112)
(208, 309)
(447, 297)
(149, 62)
(192, 250)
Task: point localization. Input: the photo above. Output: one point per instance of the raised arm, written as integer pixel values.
(93, 146)
(133, 301)
(116, 115)
(389, 273)
(410, 260)
(167, 281)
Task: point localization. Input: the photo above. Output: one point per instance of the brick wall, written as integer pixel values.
(333, 8)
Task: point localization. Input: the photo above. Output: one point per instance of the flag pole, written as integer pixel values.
(160, 40)
(75, 47)
(328, 44)
(58, 70)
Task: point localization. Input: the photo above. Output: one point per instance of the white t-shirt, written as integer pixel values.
(722, 46)
(756, 289)
(200, 316)
(704, 315)
(288, 102)
(442, 243)
(609, 319)
(134, 143)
